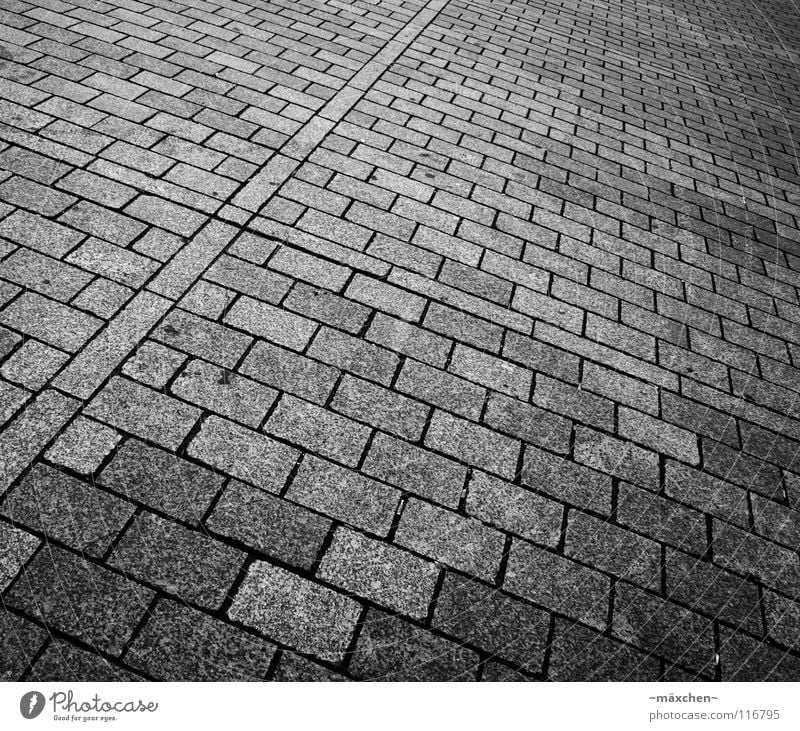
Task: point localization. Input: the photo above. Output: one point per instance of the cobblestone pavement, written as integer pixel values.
(388, 339)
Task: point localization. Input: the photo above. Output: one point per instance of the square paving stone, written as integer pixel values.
(161, 480)
(83, 446)
(180, 644)
(68, 510)
(184, 562)
(295, 611)
(87, 601)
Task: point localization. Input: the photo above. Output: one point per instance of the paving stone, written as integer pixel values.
(11, 398)
(87, 601)
(445, 536)
(224, 392)
(706, 493)
(186, 563)
(103, 298)
(345, 495)
(415, 470)
(441, 389)
(295, 668)
(56, 324)
(290, 372)
(118, 264)
(658, 435)
(161, 480)
(319, 430)
(353, 355)
(264, 320)
(409, 340)
(18, 547)
(67, 510)
(380, 407)
(514, 509)
(557, 583)
(746, 659)
(62, 662)
(379, 572)
(143, 412)
(243, 453)
(272, 525)
(493, 621)
(528, 423)
(83, 446)
(659, 626)
(180, 644)
(33, 364)
(580, 654)
(22, 641)
(612, 549)
(43, 274)
(295, 611)
(153, 364)
(203, 338)
(616, 457)
(392, 649)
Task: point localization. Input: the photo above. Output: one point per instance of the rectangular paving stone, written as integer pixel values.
(415, 470)
(243, 453)
(578, 653)
(160, 480)
(288, 371)
(29, 433)
(18, 547)
(181, 644)
(354, 355)
(143, 412)
(557, 583)
(392, 649)
(706, 493)
(706, 588)
(295, 611)
(44, 274)
(224, 392)
(380, 407)
(529, 423)
(408, 339)
(57, 324)
(345, 495)
(385, 297)
(379, 572)
(76, 596)
(272, 323)
(494, 373)
(118, 264)
(269, 524)
(23, 641)
(70, 511)
(319, 430)
(203, 338)
(473, 444)
(441, 389)
(656, 625)
(747, 553)
(658, 435)
(319, 304)
(463, 543)
(493, 621)
(613, 549)
(185, 563)
(165, 214)
(616, 457)
(514, 509)
(39, 233)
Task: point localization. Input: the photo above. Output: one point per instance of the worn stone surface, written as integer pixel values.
(480, 314)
